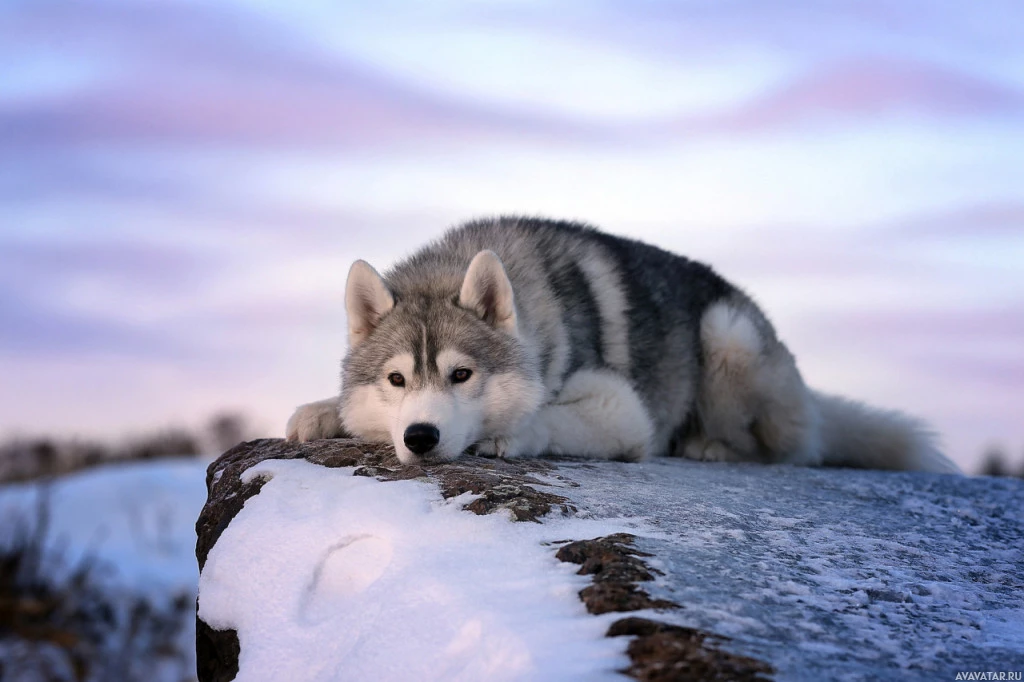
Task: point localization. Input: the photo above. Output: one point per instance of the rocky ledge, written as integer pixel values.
(736, 572)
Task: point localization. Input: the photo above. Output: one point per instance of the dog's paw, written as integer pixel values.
(504, 448)
(493, 447)
(530, 439)
(314, 421)
(709, 451)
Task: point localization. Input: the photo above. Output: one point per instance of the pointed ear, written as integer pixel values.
(487, 291)
(367, 299)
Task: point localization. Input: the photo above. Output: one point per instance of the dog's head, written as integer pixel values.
(432, 368)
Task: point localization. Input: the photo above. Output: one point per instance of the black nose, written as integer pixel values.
(421, 438)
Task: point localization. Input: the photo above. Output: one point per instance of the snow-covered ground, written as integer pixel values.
(135, 521)
(136, 518)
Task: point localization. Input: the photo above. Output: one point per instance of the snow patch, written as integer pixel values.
(138, 519)
(326, 575)
(134, 522)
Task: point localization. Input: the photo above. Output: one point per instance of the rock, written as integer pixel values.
(669, 653)
(661, 652)
(501, 485)
(217, 650)
(743, 571)
(828, 573)
(617, 569)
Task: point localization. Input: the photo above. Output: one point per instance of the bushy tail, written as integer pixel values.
(856, 435)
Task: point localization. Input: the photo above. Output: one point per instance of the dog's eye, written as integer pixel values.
(461, 374)
(396, 379)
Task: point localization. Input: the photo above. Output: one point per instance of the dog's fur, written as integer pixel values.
(583, 343)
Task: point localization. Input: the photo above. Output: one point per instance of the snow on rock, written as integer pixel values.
(830, 573)
(326, 575)
(314, 573)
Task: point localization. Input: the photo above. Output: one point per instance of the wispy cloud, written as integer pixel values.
(182, 74)
(921, 29)
(1001, 219)
(32, 328)
(848, 93)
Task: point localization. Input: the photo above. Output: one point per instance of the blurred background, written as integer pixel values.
(183, 186)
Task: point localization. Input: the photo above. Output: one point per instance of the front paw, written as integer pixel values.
(505, 447)
(531, 442)
(493, 447)
(314, 421)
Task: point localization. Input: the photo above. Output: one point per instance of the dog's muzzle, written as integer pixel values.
(421, 438)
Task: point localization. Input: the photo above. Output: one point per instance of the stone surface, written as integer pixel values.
(776, 571)
(661, 652)
(501, 485)
(828, 573)
(669, 653)
(617, 568)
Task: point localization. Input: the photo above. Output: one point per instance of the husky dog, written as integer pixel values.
(522, 336)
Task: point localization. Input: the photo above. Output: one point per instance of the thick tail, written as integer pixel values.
(856, 435)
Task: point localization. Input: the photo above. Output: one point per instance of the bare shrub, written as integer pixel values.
(64, 622)
(227, 430)
(994, 462)
(167, 443)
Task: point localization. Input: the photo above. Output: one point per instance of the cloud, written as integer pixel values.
(951, 326)
(37, 175)
(58, 266)
(824, 31)
(852, 91)
(182, 74)
(64, 299)
(868, 59)
(29, 328)
(987, 219)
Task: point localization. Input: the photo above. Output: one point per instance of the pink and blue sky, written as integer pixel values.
(184, 184)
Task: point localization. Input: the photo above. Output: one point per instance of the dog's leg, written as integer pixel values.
(752, 405)
(313, 421)
(596, 414)
(732, 349)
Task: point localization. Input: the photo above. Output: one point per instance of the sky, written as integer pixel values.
(183, 185)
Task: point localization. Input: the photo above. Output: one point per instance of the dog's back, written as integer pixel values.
(589, 300)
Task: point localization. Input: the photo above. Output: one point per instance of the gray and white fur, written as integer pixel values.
(523, 336)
